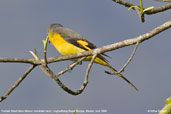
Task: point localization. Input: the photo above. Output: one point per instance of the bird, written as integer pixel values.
(67, 41)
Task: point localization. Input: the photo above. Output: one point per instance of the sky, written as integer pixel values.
(23, 26)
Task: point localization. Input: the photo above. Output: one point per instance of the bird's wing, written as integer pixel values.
(85, 45)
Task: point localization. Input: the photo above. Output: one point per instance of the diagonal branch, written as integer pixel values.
(16, 84)
(128, 61)
(122, 2)
(130, 58)
(88, 69)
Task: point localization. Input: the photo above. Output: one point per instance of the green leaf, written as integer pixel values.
(141, 6)
(34, 55)
(149, 8)
(167, 108)
(134, 6)
(45, 42)
(168, 100)
(75, 111)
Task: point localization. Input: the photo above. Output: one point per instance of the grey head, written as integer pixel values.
(64, 32)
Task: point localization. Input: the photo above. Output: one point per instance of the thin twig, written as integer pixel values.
(50, 73)
(70, 67)
(45, 50)
(88, 69)
(129, 59)
(45, 59)
(16, 84)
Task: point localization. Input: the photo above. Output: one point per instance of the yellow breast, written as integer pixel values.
(63, 47)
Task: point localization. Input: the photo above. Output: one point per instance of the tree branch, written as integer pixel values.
(159, 9)
(18, 60)
(163, 0)
(122, 2)
(16, 84)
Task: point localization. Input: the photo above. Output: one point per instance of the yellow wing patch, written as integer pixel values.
(97, 60)
(83, 43)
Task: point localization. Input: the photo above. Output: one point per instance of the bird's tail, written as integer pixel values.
(120, 75)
